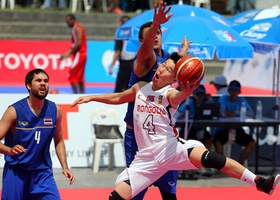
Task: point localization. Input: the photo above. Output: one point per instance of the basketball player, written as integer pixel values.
(29, 125)
(159, 147)
(150, 54)
(79, 55)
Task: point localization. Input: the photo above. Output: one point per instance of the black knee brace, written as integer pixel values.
(168, 195)
(115, 196)
(211, 159)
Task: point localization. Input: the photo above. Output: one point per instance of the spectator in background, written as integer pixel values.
(230, 107)
(124, 5)
(220, 83)
(200, 134)
(125, 61)
(78, 51)
(52, 4)
(140, 6)
(143, 5)
(115, 7)
(237, 6)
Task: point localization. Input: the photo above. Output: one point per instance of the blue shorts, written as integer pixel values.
(21, 184)
(166, 183)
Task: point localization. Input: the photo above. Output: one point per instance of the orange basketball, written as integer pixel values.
(189, 69)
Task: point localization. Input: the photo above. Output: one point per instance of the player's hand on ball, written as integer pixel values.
(186, 87)
(190, 71)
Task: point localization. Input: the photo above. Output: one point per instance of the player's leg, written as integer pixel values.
(14, 180)
(74, 87)
(115, 196)
(76, 73)
(201, 157)
(81, 72)
(43, 185)
(72, 77)
(134, 179)
(130, 151)
(167, 195)
(167, 185)
(82, 87)
(122, 191)
(130, 146)
(140, 195)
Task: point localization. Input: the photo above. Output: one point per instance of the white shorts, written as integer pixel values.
(145, 170)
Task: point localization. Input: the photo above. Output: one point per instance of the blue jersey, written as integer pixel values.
(34, 133)
(147, 78)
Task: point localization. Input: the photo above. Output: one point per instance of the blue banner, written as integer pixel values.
(100, 55)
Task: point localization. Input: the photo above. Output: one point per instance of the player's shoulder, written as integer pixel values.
(137, 86)
(51, 104)
(142, 83)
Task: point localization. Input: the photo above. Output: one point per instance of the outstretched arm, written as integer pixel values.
(111, 98)
(175, 97)
(146, 56)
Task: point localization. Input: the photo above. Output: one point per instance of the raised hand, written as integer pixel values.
(160, 14)
(185, 46)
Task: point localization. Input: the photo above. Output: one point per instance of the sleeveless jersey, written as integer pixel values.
(153, 120)
(147, 78)
(33, 133)
(83, 47)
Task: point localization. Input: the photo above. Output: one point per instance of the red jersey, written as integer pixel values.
(83, 48)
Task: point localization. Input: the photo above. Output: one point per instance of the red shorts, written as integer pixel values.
(76, 73)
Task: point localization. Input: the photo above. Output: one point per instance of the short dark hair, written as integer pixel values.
(30, 75)
(71, 16)
(175, 57)
(200, 89)
(124, 18)
(234, 85)
(146, 25)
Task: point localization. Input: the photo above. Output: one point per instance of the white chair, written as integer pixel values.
(11, 3)
(204, 3)
(104, 125)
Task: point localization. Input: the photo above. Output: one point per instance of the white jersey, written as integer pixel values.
(159, 148)
(153, 120)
